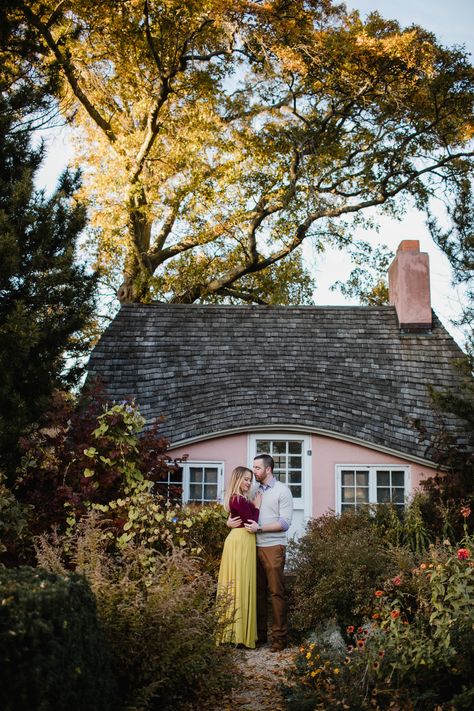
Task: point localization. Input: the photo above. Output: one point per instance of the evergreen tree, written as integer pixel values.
(46, 297)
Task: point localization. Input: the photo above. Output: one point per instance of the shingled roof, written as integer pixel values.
(345, 371)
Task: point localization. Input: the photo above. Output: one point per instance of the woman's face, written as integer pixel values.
(246, 482)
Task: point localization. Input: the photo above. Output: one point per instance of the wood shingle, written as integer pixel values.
(348, 371)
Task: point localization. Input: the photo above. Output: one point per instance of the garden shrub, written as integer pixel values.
(335, 565)
(98, 458)
(415, 652)
(159, 616)
(15, 539)
(53, 656)
(87, 454)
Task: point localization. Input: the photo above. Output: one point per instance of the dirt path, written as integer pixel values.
(257, 681)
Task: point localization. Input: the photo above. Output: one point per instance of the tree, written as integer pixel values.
(457, 243)
(46, 299)
(218, 135)
(368, 280)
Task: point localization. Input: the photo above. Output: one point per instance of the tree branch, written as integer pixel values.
(70, 73)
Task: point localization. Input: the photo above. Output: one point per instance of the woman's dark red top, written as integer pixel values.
(240, 506)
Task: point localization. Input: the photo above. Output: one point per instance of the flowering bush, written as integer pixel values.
(320, 678)
(416, 650)
(419, 647)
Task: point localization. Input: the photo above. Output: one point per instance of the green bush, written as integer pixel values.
(336, 564)
(15, 539)
(158, 613)
(52, 653)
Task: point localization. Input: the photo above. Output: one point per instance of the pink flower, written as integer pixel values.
(465, 511)
(397, 580)
(463, 553)
(350, 629)
(378, 593)
(394, 614)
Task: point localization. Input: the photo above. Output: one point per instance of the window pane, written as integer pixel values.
(296, 491)
(362, 478)
(347, 495)
(263, 446)
(383, 495)
(383, 478)
(294, 477)
(295, 447)
(280, 461)
(294, 462)
(362, 495)
(195, 492)
(211, 475)
(279, 447)
(398, 478)
(347, 477)
(278, 474)
(347, 507)
(195, 474)
(210, 492)
(398, 496)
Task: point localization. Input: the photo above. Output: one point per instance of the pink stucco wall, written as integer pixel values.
(232, 451)
(327, 452)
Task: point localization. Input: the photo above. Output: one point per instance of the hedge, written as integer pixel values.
(52, 652)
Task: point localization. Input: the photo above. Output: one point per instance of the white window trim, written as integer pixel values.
(305, 502)
(203, 463)
(372, 480)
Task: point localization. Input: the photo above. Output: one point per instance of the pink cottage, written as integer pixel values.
(329, 391)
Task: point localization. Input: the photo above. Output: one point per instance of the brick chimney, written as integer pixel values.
(409, 286)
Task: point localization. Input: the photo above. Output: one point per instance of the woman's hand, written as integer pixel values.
(257, 502)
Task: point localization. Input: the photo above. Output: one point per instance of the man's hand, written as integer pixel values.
(251, 526)
(234, 522)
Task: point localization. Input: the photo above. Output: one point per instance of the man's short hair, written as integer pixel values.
(267, 460)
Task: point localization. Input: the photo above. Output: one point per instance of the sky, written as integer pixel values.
(452, 21)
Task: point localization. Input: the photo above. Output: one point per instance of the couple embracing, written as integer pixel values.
(253, 557)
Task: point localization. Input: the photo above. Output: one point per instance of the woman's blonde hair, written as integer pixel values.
(234, 485)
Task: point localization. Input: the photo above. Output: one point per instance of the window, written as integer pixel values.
(171, 487)
(288, 457)
(202, 483)
(196, 482)
(360, 485)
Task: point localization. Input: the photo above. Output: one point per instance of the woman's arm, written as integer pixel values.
(240, 506)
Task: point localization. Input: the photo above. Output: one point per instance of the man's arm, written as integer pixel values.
(253, 527)
(284, 519)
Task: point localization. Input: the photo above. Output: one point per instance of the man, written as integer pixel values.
(276, 511)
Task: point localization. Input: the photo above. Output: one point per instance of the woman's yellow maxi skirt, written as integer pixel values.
(237, 589)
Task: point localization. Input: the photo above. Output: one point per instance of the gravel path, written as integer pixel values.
(257, 681)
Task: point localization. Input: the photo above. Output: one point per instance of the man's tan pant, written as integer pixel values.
(270, 564)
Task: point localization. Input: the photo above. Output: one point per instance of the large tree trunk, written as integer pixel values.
(138, 268)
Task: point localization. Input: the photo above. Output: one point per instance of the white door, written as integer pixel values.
(292, 456)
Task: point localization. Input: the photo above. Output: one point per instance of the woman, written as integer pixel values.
(237, 583)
